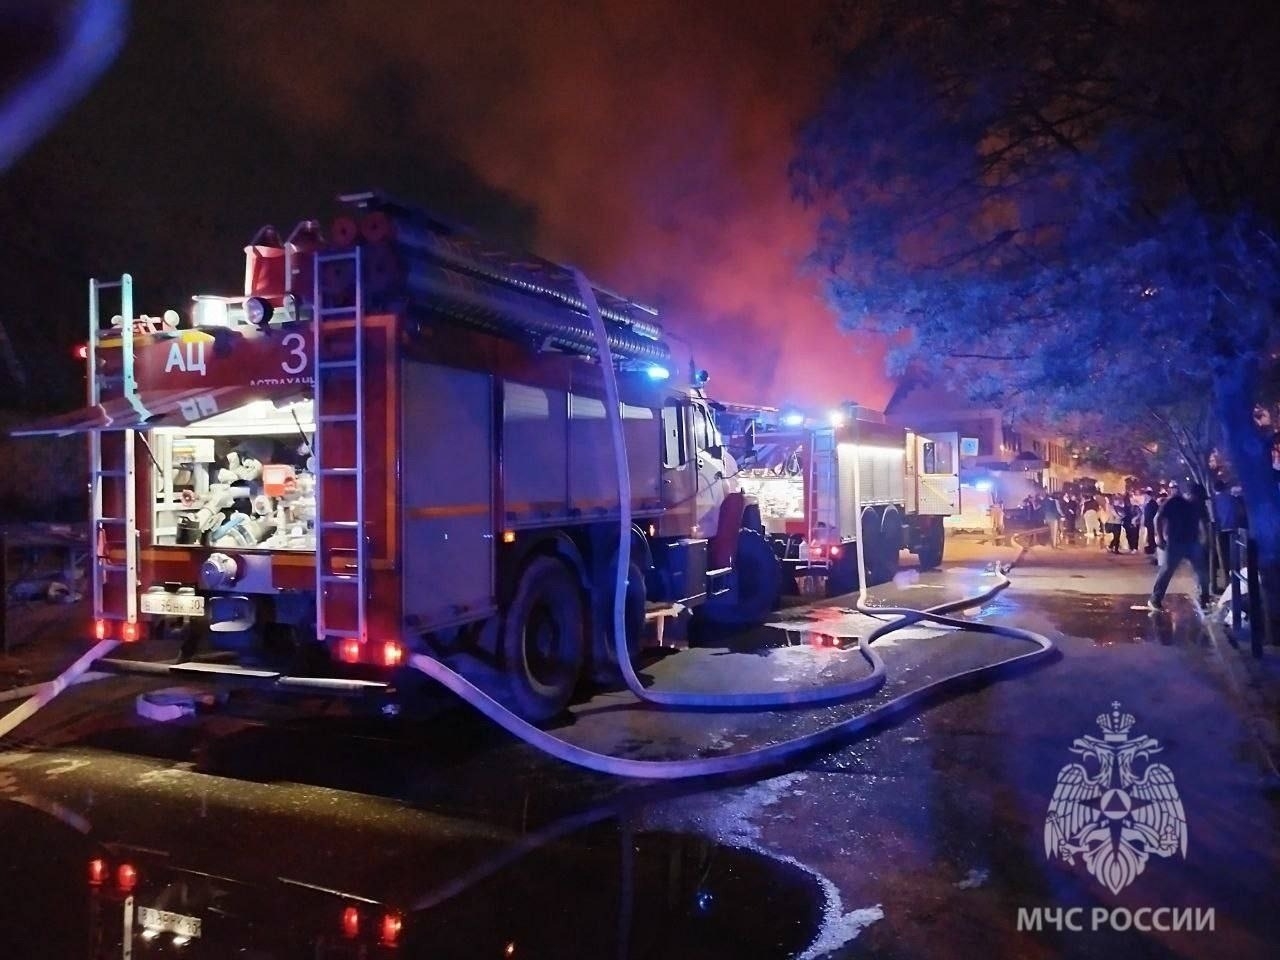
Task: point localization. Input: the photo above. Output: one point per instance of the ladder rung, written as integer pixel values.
(336, 311)
(337, 418)
(349, 634)
(106, 285)
(340, 578)
(111, 473)
(114, 567)
(338, 471)
(335, 364)
(113, 520)
(340, 525)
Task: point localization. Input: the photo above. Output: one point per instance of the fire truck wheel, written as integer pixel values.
(759, 575)
(872, 547)
(842, 577)
(604, 661)
(890, 544)
(543, 640)
(929, 553)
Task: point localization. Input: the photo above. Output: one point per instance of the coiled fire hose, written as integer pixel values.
(761, 757)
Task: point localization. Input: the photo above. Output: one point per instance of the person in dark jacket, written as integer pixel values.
(1132, 523)
(1184, 532)
(1070, 517)
(1226, 521)
(1149, 510)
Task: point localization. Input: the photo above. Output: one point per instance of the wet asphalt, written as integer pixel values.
(304, 832)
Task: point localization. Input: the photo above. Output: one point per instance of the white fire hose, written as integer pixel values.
(47, 691)
(761, 757)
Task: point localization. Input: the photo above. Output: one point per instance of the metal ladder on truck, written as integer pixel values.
(334, 526)
(113, 478)
(822, 506)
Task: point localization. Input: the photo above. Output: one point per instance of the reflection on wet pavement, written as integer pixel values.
(604, 891)
(313, 833)
(1106, 619)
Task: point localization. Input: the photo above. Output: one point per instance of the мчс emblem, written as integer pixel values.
(1114, 815)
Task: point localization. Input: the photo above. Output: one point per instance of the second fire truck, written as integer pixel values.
(824, 483)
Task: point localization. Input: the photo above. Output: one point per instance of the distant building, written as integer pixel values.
(1017, 459)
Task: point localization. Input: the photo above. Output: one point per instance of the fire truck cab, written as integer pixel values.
(395, 441)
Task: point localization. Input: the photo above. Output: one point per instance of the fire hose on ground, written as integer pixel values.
(774, 754)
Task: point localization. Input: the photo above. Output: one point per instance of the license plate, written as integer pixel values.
(173, 604)
(162, 921)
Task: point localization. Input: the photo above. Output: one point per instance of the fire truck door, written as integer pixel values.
(936, 462)
(713, 469)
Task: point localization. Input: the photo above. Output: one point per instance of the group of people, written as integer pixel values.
(1170, 526)
(1094, 517)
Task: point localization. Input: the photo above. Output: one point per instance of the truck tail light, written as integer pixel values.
(392, 654)
(82, 351)
(391, 924)
(508, 536)
(351, 923)
(97, 872)
(126, 877)
(835, 551)
(101, 631)
(128, 632)
(349, 651)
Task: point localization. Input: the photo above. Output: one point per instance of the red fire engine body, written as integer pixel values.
(823, 484)
(396, 441)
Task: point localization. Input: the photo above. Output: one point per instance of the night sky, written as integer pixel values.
(646, 142)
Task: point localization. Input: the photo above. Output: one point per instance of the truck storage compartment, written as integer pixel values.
(241, 479)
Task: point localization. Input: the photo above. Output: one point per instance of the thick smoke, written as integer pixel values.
(651, 139)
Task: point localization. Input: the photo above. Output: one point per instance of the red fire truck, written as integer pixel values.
(393, 441)
(823, 483)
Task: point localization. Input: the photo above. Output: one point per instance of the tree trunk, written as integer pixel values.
(1234, 391)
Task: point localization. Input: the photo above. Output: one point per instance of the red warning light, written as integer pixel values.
(97, 871)
(82, 351)
(392, 654)
(126, 877)
(349, 651)
(100, 631)
(129, 632)
(391, 924)
(351, 923)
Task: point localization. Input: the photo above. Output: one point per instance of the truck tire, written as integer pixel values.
(604, 659)
(872, 547)
(890, 544)
(929, 553)
(543, 640)
(842, 576)
(759, 575)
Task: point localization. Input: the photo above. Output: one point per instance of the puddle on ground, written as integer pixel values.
(601, 892)
(1111, 620)
(829, 627)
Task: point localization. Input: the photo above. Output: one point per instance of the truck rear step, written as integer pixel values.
(225, 674)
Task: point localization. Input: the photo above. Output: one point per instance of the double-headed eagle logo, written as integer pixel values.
(1115, 816)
